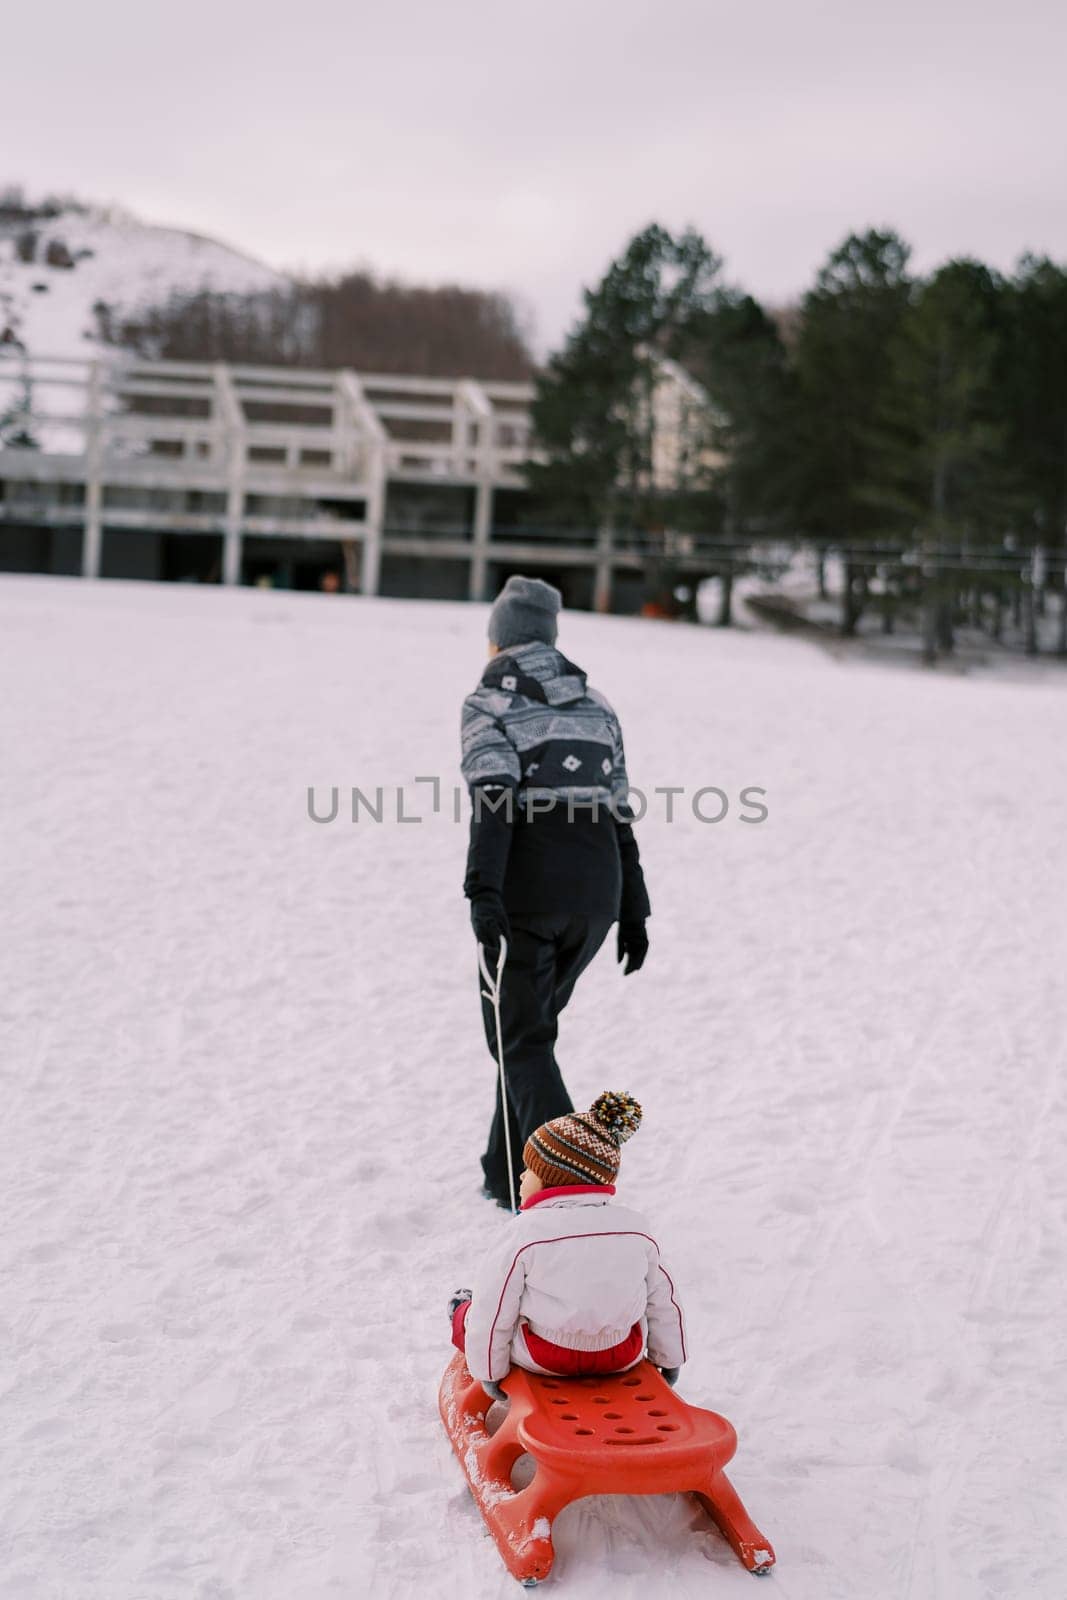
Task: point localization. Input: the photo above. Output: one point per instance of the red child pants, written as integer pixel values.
(556, 1358)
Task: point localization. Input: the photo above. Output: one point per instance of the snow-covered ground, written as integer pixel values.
(245, 1091)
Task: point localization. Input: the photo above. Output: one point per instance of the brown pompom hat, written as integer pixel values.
(583, 1146)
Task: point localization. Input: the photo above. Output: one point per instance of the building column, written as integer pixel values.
(231, 436)
(602, 579)
(474, 413)
(367, 445)
(232, 538)
(373, 521)
(483, 519)
(93, 526)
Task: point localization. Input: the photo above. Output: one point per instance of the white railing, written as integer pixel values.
(194, 416)
(120, 422)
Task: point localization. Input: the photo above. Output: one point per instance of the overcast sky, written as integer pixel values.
(518, 147)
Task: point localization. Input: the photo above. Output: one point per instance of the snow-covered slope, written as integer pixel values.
(245, 1090)
(97, 255)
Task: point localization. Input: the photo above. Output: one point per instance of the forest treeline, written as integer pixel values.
(916, 424)
(356, 320)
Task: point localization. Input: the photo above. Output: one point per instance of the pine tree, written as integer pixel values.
(593, 410)
(1033, 381)
(849, 321)
(945, 466)
(736, 352)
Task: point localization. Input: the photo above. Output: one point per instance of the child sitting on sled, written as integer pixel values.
(575, 1286)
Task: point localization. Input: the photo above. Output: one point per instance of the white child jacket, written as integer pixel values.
(580, 1271)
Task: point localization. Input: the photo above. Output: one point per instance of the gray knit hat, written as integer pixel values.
(525, 609)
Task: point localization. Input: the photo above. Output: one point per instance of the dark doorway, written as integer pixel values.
(161, 557)
(53, 550)
(293, 564)
(192, 558)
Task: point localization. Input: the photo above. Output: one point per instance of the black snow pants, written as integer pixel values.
(547, 954)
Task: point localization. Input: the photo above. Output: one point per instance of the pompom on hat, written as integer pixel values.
(583, 1146)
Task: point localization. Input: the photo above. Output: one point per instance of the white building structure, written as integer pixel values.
(128, 467)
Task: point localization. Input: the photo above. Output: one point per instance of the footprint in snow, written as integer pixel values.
(119, 1332)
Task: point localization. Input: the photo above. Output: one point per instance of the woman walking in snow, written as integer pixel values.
(552, 861)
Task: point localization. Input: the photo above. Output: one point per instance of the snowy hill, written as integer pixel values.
(245, 1090)
(54, 269)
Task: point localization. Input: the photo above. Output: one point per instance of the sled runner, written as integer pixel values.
(625, 1434)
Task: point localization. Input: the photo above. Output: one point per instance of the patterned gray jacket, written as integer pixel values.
(542, 754)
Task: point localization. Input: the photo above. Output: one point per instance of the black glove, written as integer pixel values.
(490, 923)
(632, 946)
(494, 1390)
(669, 1374)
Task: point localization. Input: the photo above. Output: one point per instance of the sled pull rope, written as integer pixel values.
(491, 992)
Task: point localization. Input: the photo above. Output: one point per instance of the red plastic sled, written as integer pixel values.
(627, 1434)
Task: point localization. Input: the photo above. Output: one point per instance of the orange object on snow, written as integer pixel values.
(624, 1434)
